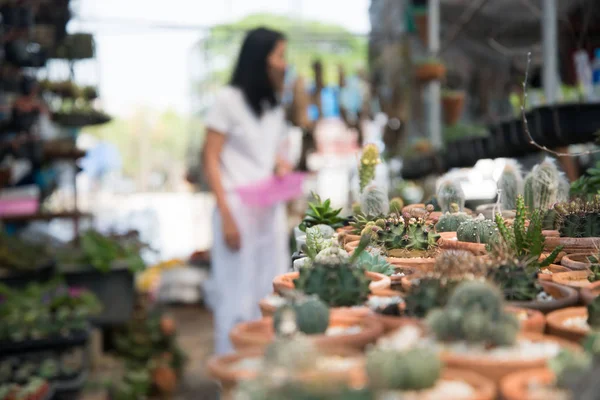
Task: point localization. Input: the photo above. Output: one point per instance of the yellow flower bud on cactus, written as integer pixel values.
(368, 162)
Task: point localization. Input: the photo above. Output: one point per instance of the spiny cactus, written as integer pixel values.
(474, 313)
(368, 163)
(374, 202)
(396, 205)
(511, 185)
(427, 294)
(458, 264)
(515, 279)
(594, 314)
(450, 222)
(332, 255)
(579, 219)
(448, 193)
(312, 315)
(403, 233)
(477, 230)
(414, 369)
(542, 186)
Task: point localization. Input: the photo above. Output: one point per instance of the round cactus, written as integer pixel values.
(414, 369)
(356, 208)
(396, 205)
(332, 255)
(477, 230)
(374, 202)
(294, 354)
(450, 222)
(312, 316)
(368, 163)
(448, 193)
(511, 185)
(542, 186)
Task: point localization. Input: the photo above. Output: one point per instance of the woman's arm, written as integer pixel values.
(211, 162)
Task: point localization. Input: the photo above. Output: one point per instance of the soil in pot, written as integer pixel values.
(569, 323)
(574, 279)
(420, 261)
(577, 261)
(556, 297)
(537, 384)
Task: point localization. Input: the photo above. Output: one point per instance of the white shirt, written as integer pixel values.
(252, 142)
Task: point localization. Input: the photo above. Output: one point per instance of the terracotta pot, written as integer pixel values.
(558, 258)
(258, 334)
(430, 71)
(588, 294)
(551, 233)
(574, 279)
(496, 369)
(516, 386)
(286, 281)
(407, 272)
(556, 327)
(535, 321)
(447, 236)
(485, 389)
(422, 25)
(564, 296)
(409, 207)
(573, 245)
(453, 105)
(268, 310)
(555, 269)
(351, 238)
(391, 323)
(477, 249)
(417, 264)
(435, 216)
(577, 261)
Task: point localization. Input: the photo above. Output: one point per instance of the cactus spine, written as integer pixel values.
(477, 230)
(450, 192)
(374, 202)
(511, 185)
(368, 164)
(544, 186)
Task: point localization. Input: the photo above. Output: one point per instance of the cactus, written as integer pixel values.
(295, 354)
(448, 193)
(450, 222)
(332, 255)
(511, 185)
(515, 280)
(410, 370)
(396, 205)
(375, 263)
(312, 315)
(374, 203)
(404, 233)
(477, 230)
(594, 314)
(542, 186)
(568, 366)
(427, 294)
(474, 313)
(579, 219)
(457, 264)
(594, 272)
(356, 210)
(316, 240)
(368, 164)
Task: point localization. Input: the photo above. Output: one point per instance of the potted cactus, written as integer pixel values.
(575, 323)
(510, 185)
(453, 102)
(374, 204)
(448, 223)
(578, 227)
(474, 235)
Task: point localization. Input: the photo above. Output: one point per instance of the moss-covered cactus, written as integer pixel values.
(312, 315)
(368, 164)
(578, 218)
(450, 192)
(449, 222)
(544, 186)
(414, 369)
(396, 205)
(474, 313)
(477, 230)
(511, 185)
(374, 202)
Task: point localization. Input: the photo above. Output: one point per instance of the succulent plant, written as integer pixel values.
(316, 241)
(511, 185)
(568, 366)
(449, 222)
(516, 280)
(458, 264)
(427, 294)
(474, 313)
(450, 192)
(356, 208)
(477, 230)
(543, 187)
(368, 164)
(579, 219)
(374, 263)
(593, 310)
(321, 213)
(396, 205)
(374, 202)
(312, 315)
(414, 369)
(403, 233)
(332, 255)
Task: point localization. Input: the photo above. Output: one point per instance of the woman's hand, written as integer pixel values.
(282, 167)
(231, 232)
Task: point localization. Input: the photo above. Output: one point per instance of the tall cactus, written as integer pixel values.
(543, 187)
(511, 185)
(368, 164)
(450, 192)
(374, 202)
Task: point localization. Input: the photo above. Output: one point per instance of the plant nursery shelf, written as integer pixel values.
(45, 217)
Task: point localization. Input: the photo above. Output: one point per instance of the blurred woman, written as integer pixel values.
(244, 129)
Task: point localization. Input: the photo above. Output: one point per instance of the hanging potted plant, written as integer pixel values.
(453, 102)
(430, 69)
(421, 20)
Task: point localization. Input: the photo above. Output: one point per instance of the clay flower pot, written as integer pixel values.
(556, 325)
(453, 103)
(478, 249)
(574, 279)
(417, 264)
(517, 386)
(422, 25)
(577, 261)
(258, 334)
(534, 320)
(286, 281)
(588, 294)
(551, 233)
(410, 207)
(430, 71)
(447, 236)
(563, 296)
(407, 272)
(484, 388)
(496, 369)
(554, 269)
(573, 245)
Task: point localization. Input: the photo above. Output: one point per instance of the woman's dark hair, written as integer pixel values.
(250, 73)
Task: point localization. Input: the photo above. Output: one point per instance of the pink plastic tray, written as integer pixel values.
(18, 207)
(273, 190)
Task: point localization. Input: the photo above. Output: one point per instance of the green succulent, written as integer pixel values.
(312, 315)
(414, 369)
(516, 280)
(375, 263)
(568, 366)
(321, 213)
(477, 230)
(450, 222)
(427, 294)
(544, 186)
(593, 310)
(579, 219)
(511, 185)
(450, 192)
(368, 164)
(588, 185)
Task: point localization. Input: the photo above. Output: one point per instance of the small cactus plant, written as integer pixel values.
(594, 268)
(474, 313)
(516, 280)
(332, 255)
(396, 205)
(321, 213)
(511, 185)
(568, 366)
(429, 293)
(316, 241)
(374, 203)
(458, 264)
(578, 218)
(450, 192)
(543, 187)
(375, 263)
(368, 163)
(312, 315)
(403, 235)
(410, 370)
(450, 222)
(477, 230)
(594, 314)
